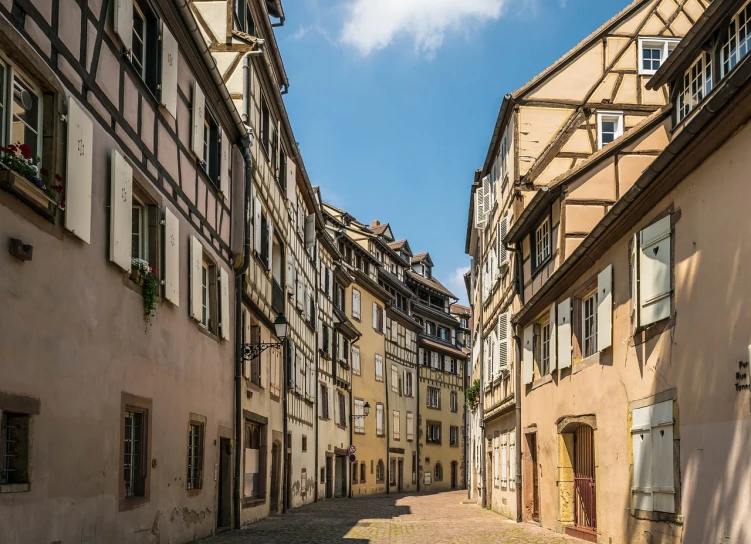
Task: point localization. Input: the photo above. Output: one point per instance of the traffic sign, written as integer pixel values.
(352, 450)
(352, 458)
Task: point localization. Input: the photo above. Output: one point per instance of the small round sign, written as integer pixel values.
(352, 450)
(352, 458)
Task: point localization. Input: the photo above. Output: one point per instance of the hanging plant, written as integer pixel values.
(473, 394)
(145, 275)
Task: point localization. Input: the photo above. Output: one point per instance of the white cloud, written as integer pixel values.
(456, 284)
(373, 24)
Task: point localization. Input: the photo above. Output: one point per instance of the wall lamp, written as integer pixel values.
(365, 411)
(252, 350)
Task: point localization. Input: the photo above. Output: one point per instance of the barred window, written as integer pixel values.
(195, 456)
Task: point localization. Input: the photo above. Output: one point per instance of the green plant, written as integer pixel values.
(472, 394)
(148, 275)
(18, 159)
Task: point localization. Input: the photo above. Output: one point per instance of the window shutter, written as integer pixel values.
(605, 308)
(405, 385)
(124, 22)
(480, 207)
(78, 172)
(356, 304)
(553, 339)
(504, 466)
(290, 271)
(271, 245)
(168, 84)
(196, 265)
(487, 194)
(529, 338)
(634, 283)
(379, 419)
(171, 257)
(257, 235)
(300, 293)
(503, 341)
(226, 146)
(121, 211)
(375, 316)
(654, 272)
(502, 231)
(663, 485)
(642, 447)
(310, 231)
(224, 321)
(512, 460)
(198, 116)
(564, 334)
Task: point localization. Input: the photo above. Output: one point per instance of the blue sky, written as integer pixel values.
(393, 102)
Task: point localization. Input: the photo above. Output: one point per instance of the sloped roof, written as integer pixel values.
(432, 283)
(422, 257)
(460, 309)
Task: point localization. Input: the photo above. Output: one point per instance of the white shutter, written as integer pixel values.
(480, 207)
(224, 322)
(121, 211)
(642, 447)
(528, 358)
(310, 230)
(379, 419)
(196, 266)
(300, 294)
(487, 194)
(663, 485)
(124, 22)
(355, 303)
(504, 466)
(171, 257)
(356, 359)
(552, 346)
(271, 245)
(634, 262)
(375, 315)
(168, 84)
(290, 270)
(225, 146)
(257, 225)
(605, 308)
(512, 460)
(502, 231)
(654, 272)
(404, 390)
(78, 172)
(564, 334)
(198, 115)
(503, 341)
(420, 353)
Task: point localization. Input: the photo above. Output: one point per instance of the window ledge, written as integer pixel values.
(15, 488)
(592, 360)
(547, 378)
(646, 333)
(249, 503)
(254, 386)
(657, 516)
(207, 332)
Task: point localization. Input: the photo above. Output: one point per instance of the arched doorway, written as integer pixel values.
(577, 481)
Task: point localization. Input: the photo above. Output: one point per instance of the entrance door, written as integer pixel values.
(453, 474)
(340, 471)
(535, 477)
(400, 475)
(288, 483)
(276, 451)
(224, 506)
(584, 478)
(489, 479)
(329, 483)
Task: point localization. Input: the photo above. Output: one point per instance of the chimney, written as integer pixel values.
(374, 223)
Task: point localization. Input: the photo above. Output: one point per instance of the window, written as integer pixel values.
(410, 426)
(325, 338)
(438, 472)
(145, 53)
(433, 433)
(211, 148)
(544, 357)
(609, 128)
(195, 456)
(736, 41)
(380, 477)
(542, 242)
(430, 328)
(355, 468)
(140, 230)
(359, 417)
(208, 296)
(356, 360)
(433, 398)
(425, 357)
(342, 409)
(395, 379)
(26, 110)
(363, 472)
(265, 234)
(255, 463)
(443, 334)
(589, 312)
(697, 83)
(454, 402)
(414, 467)
(304, 444)
(652, 281)
(377, 318)
(453, 366)
(379, 419)
(408, 384)
(652, 429)
(378, 367)
(397, 425)
(392, 472)
(454, 436)
(265, 127)
(652, 53)
(340, 298)
(14, 448)
(282, 177)
(324, 402)
(135, 452)
(356, 304)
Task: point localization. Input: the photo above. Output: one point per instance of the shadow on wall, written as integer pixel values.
(344, 521)
(702, 359)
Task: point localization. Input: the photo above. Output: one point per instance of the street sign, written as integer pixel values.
(352, 450)
(352, 458)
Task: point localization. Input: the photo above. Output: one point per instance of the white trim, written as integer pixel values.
(617, 116)
(667, 45)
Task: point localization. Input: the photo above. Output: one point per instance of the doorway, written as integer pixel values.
(453, 475)
(288, 483)
(224, 498)
(585, 508)
(340, 477)
(489, 479)
(276, 451)
(399, 475)
(329, 482)
(532, 438)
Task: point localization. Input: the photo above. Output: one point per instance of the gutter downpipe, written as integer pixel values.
(518, 452)
(481, 278)
(318, 360)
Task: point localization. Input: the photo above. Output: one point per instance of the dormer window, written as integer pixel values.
(609, 127)
(653, 52)
(425, 271)
(696, 84)
(541, 244)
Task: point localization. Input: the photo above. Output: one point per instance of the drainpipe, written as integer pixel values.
(419, 432)
(318, 356)
(352, 466)
(239, 290)
(481, 407)
(518, 409)
(386, 425)
(285, 468)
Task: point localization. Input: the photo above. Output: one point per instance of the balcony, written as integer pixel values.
(277, 297)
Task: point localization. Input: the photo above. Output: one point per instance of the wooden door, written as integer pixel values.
(535, 478)
(585, 511)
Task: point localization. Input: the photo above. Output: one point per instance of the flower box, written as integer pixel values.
(28, 192)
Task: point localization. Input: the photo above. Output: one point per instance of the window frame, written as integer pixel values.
(724, 42)
(538, 261)
(193, 457)
(454, 436)
(589, 336)
(695, 86)
(147, 67)
(607, 116)
(133, 403)
(380, 472)
(666, 46)
(11, 484)
(249, 422)
(430, 432)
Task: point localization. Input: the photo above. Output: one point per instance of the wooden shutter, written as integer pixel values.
(504, 466)
(480, 207)
(605, 308)
(663, 485)
(224, 322)
(124, 22)
(121, 211)
(310, 231)
(226, 147)
(564, 334)
(300, 293)
(255, 368)
(198, 116)
(553, 346)
(356, 303)
(375, 316)
(356, 359)
(405, 385)
(196, 265)
(528, 358)
(271, 244)
(487, 194)
(290, 276)
(654, 272)
(78, 172)
(503, 341)
(168, 83)
(257, 234)
(641, 437)
(512, 460)
(502, 231)
(634, 263)
(171, 257)
(379, 419)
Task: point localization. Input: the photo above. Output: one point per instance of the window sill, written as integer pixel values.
(28, 193)
(15, 488)
(657, 516)
(254, 386)
(646, 333)
(207, 332)
(133, 503)
(250, 503)
(194, 492)
(592, 360)
(542, 381)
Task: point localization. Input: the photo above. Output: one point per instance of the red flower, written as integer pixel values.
(26, 151)
(58, 177)
(3, 149)
(61, 205)
(58, 189)
(12, 148)
(44, 171)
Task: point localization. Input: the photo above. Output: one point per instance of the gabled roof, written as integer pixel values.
(460, 309)
(420, 257)
(432, 283)
(382, 229)
(401, 245)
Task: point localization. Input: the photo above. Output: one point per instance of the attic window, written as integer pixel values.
(425, 271)
(609, 128)
(652, 53)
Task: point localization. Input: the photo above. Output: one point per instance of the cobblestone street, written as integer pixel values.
(395, 519)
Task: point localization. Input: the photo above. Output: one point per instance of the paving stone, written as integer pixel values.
(439, 518)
